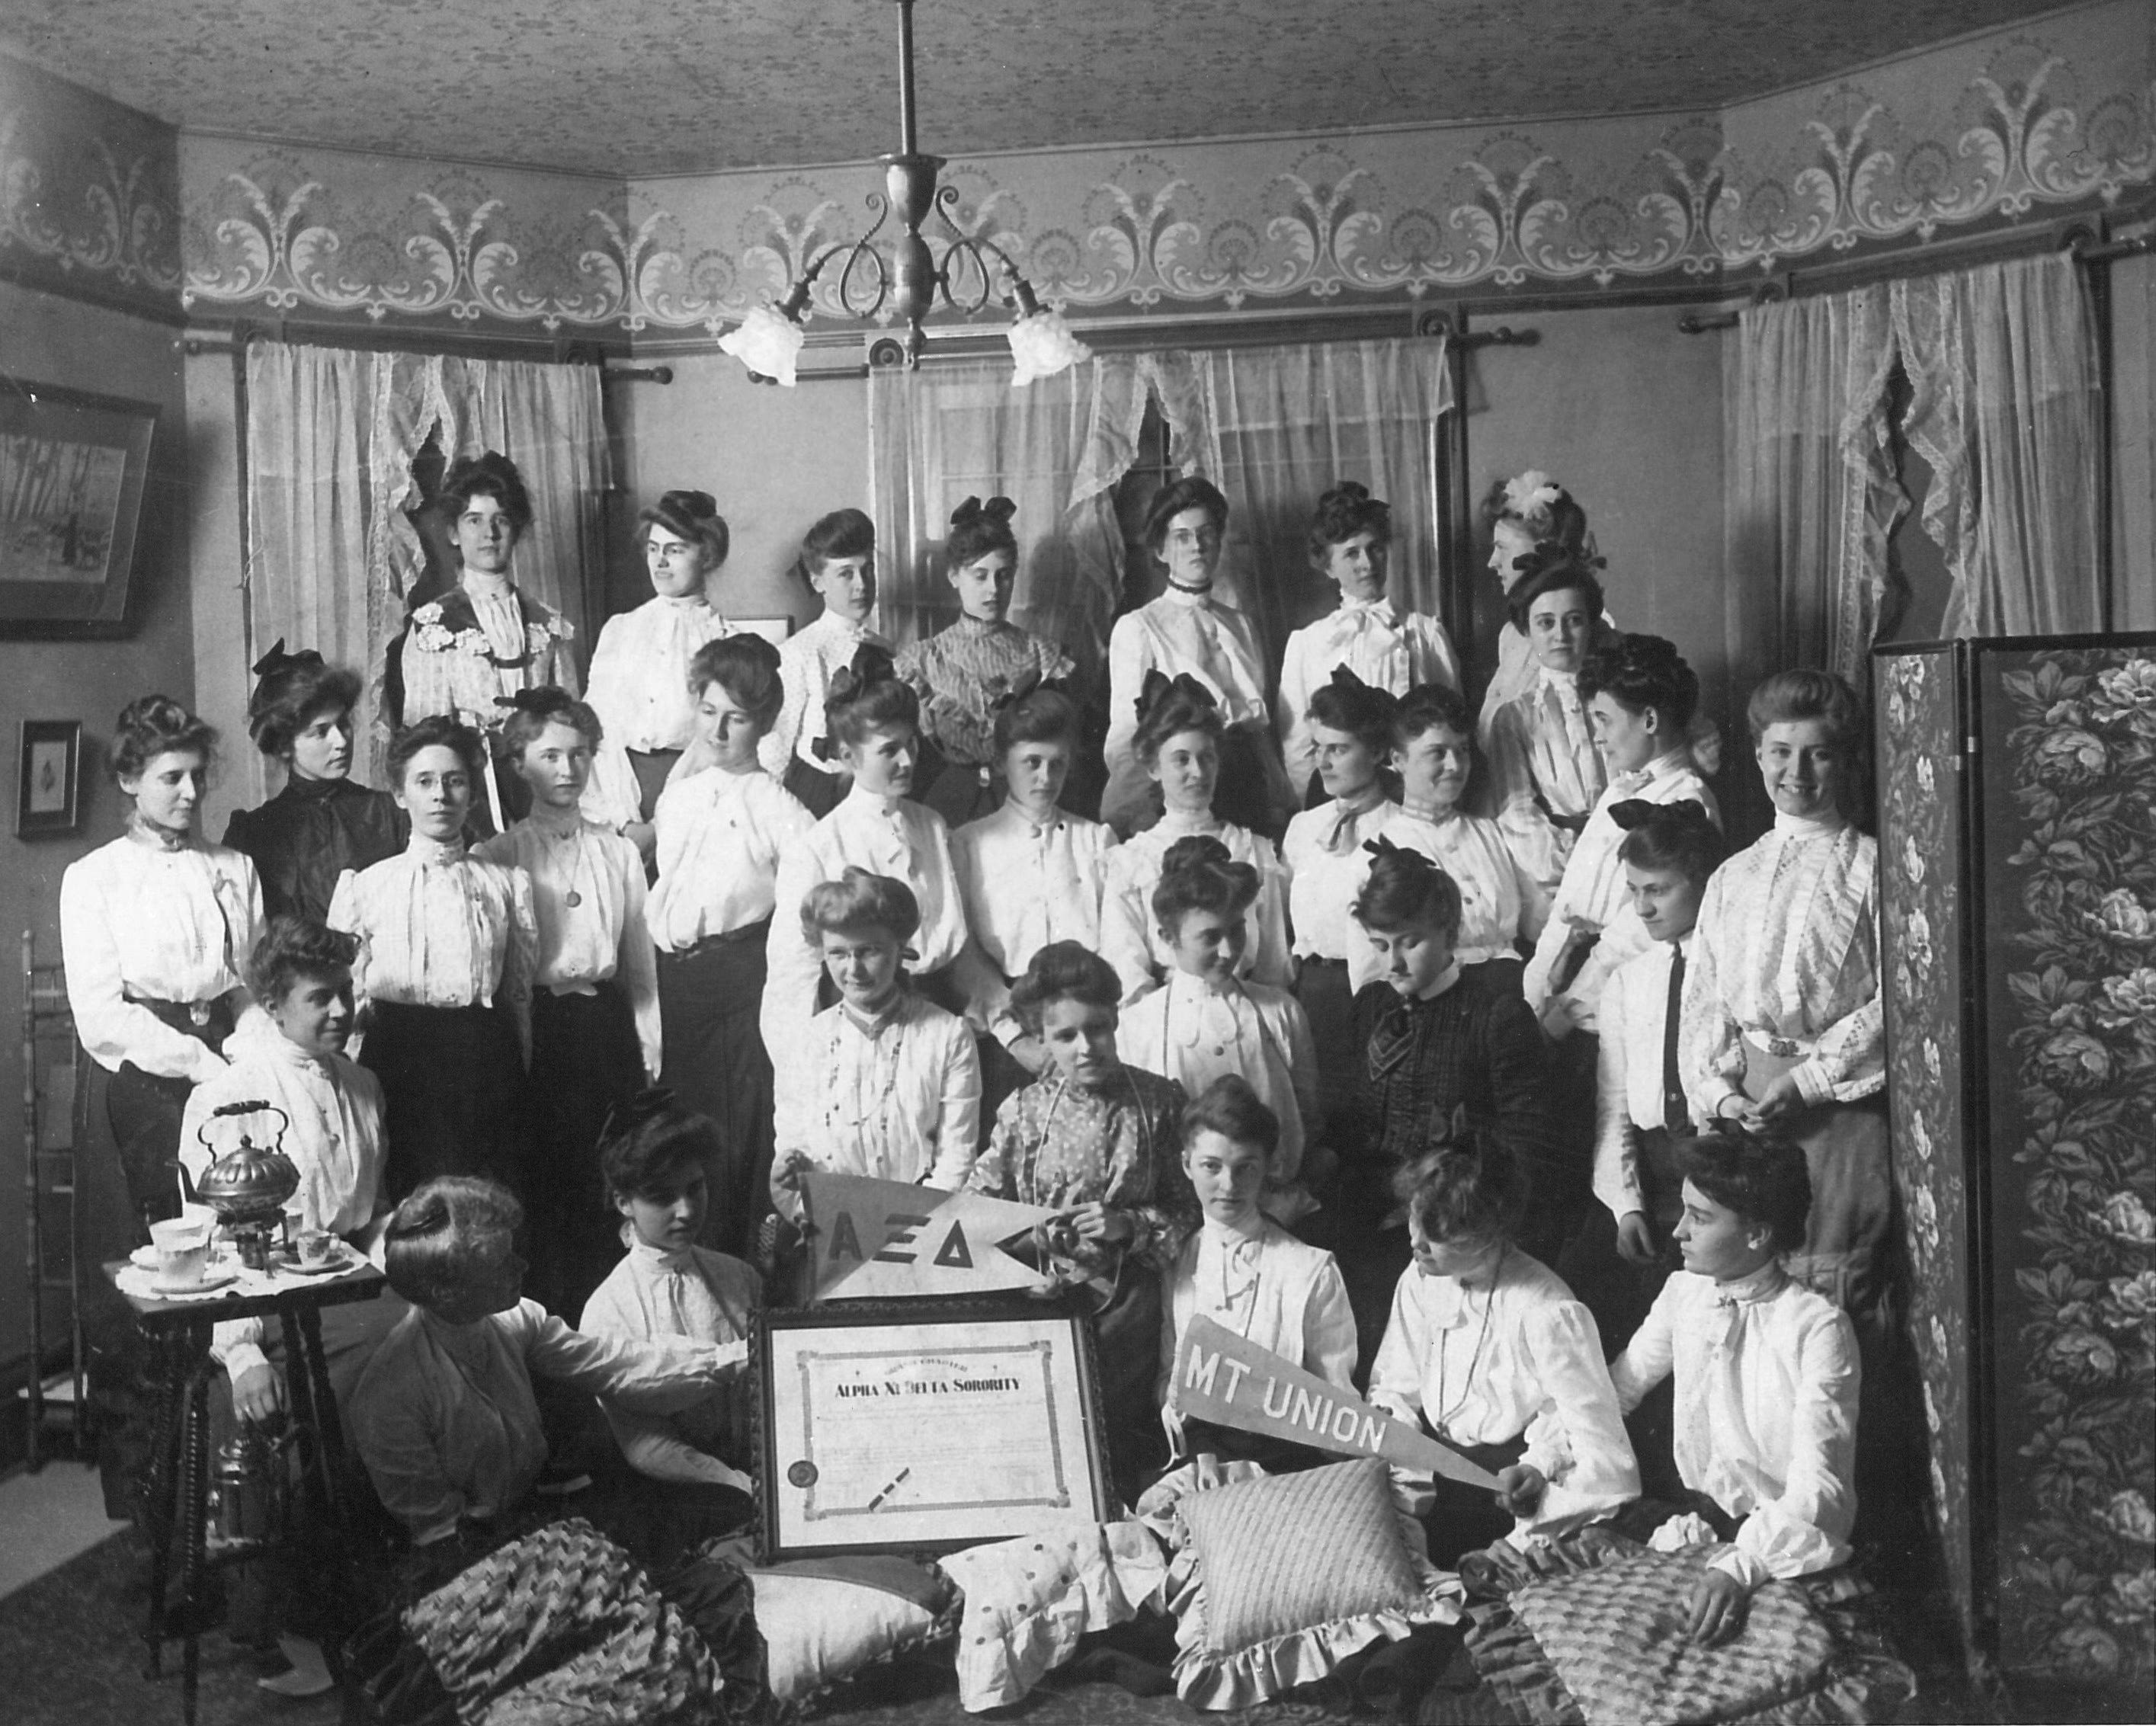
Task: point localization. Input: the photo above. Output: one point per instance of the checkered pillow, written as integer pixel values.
(1617, 1636)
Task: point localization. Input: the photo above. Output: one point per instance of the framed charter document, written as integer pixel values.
(924, 1425)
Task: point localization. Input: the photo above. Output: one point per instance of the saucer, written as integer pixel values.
(342, 1259)
(217, 1277)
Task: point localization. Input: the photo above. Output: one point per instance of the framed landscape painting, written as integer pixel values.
(73, 469)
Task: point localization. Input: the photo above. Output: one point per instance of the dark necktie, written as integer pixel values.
(1676, 1116)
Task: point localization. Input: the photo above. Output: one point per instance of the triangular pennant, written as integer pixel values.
(1222, 1378)
(882, 1239)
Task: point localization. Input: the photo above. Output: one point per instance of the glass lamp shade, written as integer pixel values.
(1042, 345)
(767, 344)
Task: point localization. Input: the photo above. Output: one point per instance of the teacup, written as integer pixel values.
(181, 1244)
(314, 1247)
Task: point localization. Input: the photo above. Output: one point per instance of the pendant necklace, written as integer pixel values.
(1443, 1424)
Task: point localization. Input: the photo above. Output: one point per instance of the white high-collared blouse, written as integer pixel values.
(140, 921)
(1389, 649)
(588, 899)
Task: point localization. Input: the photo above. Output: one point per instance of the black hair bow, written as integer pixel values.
(1637, 812)
(972, 509)
(277, 659)
(1159, 687)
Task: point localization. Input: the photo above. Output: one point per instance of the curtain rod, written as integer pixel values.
(235, 337)
(2078, 241)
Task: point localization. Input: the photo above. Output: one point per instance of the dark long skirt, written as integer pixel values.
(585, 1059)
(961, 791)
(1615, 1291)
(1328, 1001)
(1252, 790)
(454, 1094)
(1465, 1517)
(820, 792)
(1127, 1339)
(709, 998)
(145, 1112)
(651, 767)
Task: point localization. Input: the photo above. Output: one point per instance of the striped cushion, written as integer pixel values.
(1290, 1552)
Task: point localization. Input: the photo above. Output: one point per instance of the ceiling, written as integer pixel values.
(692, 86)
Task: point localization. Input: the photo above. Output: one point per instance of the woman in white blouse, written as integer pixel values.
(886, 1083)
(1178, 744)
(485, 638)
(722, 831)
(595, 1026)
(1187, 632)
(155, 929)
(639, 682)
(1489, 1351)
(1501, 903)
(1545, 769)
(1782, 1017)
(1351, 541)
(447, 946)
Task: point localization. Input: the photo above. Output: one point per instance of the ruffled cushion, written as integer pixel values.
(1601, 1637)
(1029, 1601)
(1280, 1579)
(822, 1621)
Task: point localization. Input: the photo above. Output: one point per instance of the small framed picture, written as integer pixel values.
(773, 629)
(49, 788)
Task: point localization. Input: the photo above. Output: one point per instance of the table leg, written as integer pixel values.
(329, 1429)
(161, 1484)
(195, 1529)
(301, 1386)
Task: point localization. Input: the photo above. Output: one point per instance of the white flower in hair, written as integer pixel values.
(1534, 490)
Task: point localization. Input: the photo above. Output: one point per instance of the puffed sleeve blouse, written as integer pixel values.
(141, 921)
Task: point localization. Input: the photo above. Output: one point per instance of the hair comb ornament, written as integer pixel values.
(277, 659)
(1532, 490)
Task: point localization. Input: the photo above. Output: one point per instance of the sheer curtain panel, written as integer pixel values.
(332, 555)
(1056, 448)
(1813, 495)
(2005, 408)
(1273, 427)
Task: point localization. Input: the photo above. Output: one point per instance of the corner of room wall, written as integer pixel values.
(89, 300)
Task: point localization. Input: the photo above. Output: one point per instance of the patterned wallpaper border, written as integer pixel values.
(89, 195)
(2012, 126)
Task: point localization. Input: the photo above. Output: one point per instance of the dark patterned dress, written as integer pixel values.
(1061, 1145)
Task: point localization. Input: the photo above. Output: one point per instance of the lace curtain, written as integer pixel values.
(1055, 448)
(2004, 397)
(331, 435)
(1272, 426)
(1813, 496)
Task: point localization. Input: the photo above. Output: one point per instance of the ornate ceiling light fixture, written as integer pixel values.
(770, 339)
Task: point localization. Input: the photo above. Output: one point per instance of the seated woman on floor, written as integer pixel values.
(1766, 1383)
(655, 1154)
(1487, 1349)
(445, 1417)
